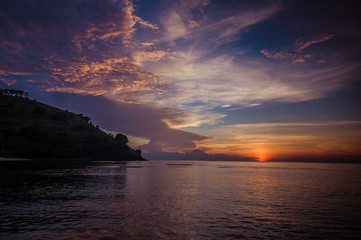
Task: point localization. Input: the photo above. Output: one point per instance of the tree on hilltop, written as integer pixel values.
(122, 139)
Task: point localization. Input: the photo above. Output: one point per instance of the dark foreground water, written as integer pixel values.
(203, 200)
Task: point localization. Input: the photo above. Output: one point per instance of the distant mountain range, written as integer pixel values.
(29, 129)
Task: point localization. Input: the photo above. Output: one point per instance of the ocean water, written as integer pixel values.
(180, 200)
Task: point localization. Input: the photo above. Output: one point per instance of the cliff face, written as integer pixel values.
(29, 129)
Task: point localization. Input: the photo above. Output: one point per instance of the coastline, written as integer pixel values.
(3, 159)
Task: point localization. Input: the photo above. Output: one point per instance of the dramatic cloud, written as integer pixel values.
(96, 56)
(137, 120)
(109, 76)
(80, 48)
(167, 66)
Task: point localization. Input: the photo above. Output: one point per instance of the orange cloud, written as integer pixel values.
(300, 44)
(118, 31)
(92, 55)
(8, 82)
(277, 55)
(145, 24)
(138, 57)
(270, 140)
(294, 51)
(114, 76)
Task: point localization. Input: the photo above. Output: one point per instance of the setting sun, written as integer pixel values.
(262, 158)
(261, 155)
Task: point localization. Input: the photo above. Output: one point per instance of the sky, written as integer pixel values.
(196, 79)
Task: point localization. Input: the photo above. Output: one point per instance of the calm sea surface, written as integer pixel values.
(197, 200)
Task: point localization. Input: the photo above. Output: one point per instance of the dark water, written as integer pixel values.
(204, 200)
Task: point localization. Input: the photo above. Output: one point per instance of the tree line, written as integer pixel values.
(13, 92)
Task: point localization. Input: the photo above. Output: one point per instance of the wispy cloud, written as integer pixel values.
(174, 27)
(277, 55)
(301, 44)
(226, 30)
(139, 57)
(179, 20)
(145, 24)
(295, 50)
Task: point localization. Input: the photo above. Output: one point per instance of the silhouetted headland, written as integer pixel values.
(29, 129)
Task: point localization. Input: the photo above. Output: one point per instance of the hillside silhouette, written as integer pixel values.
(29, 129)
